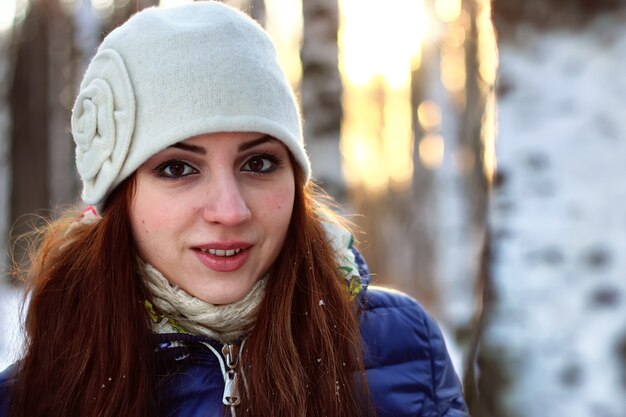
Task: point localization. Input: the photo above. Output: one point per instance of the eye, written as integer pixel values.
(261, 164)
(175, 169)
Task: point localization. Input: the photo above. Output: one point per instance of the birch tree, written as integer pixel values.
(321, 92)
(450, 96)
(554, 336)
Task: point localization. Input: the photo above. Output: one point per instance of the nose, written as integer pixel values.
(225, 203)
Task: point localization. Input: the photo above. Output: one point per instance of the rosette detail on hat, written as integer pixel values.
(103, 121)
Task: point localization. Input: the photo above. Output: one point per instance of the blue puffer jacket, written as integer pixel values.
(409, 372)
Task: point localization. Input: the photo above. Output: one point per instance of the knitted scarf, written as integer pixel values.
(179, 312)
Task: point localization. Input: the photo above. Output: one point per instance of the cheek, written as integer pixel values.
(283, 213)
(139, 213)
(149, 218)
(273, 209)
(140, 225)
(281, 204)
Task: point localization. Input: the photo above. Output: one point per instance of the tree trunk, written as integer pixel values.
(472, 160)
(554, 338)
(450, 188)
(423, 227)
(30, 108)
(62, 180)
(321, 93)
(257, 11)
(6, 75)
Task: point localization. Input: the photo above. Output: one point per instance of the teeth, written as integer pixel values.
(220, 252)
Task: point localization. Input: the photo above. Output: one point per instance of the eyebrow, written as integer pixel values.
(191, 148)
(242, 147)
(247, 145)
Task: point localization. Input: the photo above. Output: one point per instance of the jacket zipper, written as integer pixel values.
(231, 379)
(228, 360)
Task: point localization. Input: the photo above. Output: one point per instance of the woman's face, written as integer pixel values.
(211, 212)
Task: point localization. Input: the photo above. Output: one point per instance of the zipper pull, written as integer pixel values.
(231, 380)
(231, 389)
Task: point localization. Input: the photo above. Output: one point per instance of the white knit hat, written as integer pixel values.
(168, 74)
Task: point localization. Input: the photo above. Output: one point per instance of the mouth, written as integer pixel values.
(223, 257)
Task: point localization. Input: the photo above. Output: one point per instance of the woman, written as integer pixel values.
(207, 277)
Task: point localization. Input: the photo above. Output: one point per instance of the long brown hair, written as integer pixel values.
(88, 337)
(89, 350)
(305, 349)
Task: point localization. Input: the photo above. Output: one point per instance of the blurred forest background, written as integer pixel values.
(517, 249)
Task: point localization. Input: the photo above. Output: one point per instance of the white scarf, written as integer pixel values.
(177, 309)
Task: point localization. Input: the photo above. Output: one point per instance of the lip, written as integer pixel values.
(223, 263)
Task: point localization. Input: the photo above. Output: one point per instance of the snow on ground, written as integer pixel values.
(10, 329)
